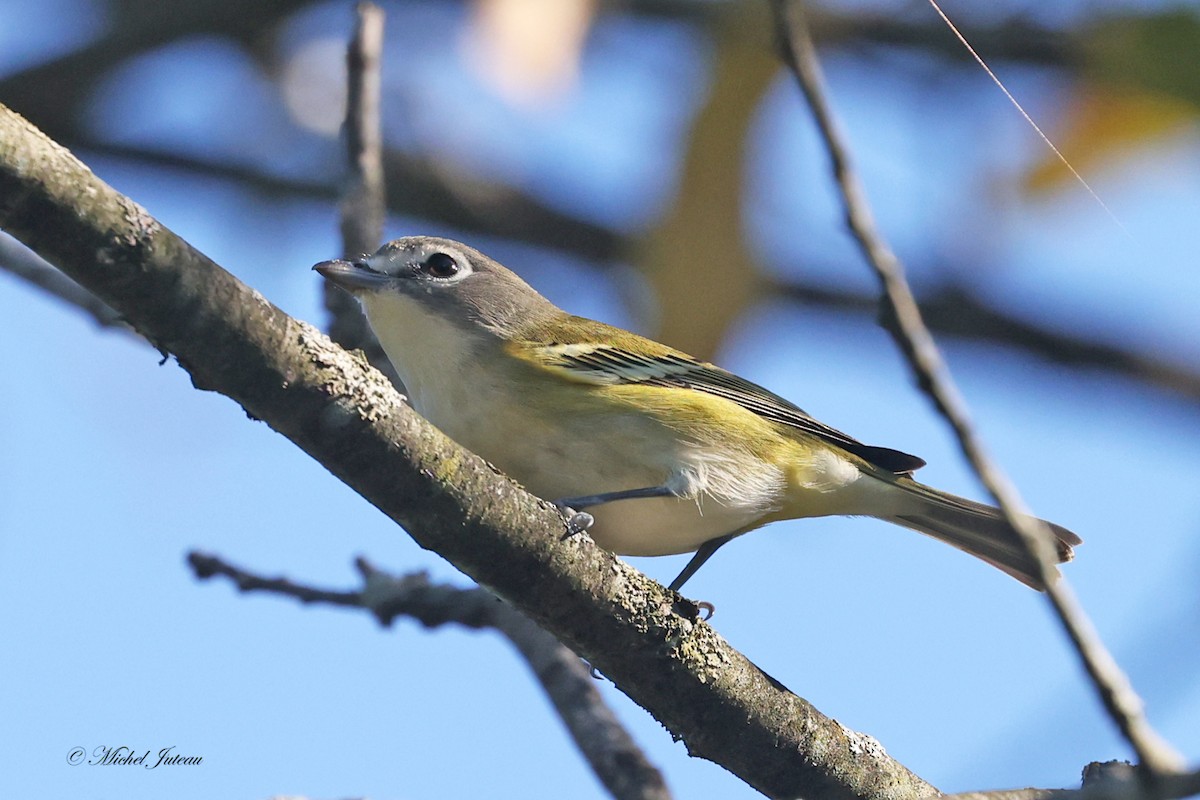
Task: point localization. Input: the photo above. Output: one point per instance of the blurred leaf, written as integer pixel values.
(1141, 82)
(696, 257)
(1104, 124)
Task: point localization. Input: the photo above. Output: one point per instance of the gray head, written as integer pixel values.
(442, 278)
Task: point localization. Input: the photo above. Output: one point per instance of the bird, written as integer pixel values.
(652, 451)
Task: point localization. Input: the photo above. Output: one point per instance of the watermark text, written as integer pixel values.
(124, 756)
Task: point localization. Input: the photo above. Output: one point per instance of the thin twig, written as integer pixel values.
(1111, 780)
(914, 339)
(25, 264)
(364, 201)
(608, 748)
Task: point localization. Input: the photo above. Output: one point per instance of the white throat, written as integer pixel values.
(431, 355)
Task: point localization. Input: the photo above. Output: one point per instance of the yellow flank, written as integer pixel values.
(705, 419)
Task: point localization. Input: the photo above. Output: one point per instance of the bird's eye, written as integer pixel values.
(440, 265)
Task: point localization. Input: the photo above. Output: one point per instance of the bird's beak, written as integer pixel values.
(354, 277)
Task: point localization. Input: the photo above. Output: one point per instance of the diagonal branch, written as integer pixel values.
(608, 748)
(26, 265)
(648, 641)
(916, 343)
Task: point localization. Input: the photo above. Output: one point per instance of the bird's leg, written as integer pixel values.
(579, 521)
(704, 553)
(608, 497)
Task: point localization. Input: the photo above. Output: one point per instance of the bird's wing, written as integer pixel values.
(651, 364)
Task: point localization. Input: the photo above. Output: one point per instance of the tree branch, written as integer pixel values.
(26, 265)
(1113, 780)
(903, 320)
(608, 748)
(649, 641)
(364, 198)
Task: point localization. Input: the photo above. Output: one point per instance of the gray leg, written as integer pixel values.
(702, 554)
(627, 494)
(579, 521)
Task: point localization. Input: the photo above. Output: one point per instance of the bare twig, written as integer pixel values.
(20, 261)
(364, 201)
(205, 566)
(914, 339)
(608, 748)
(364, 197)
(1101, 781)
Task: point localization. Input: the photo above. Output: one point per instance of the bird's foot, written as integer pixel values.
(694, 610)
(577, 521)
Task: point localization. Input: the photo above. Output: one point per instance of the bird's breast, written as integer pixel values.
(595, 447)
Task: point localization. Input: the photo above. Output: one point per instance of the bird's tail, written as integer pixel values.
(978, 529)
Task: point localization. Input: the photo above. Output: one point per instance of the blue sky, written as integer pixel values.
(113, 466)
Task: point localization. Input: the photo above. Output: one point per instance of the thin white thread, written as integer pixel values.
(1025, 114)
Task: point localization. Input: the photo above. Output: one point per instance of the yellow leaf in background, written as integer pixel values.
(1140, 84)
(528, 51)
(1105, 124)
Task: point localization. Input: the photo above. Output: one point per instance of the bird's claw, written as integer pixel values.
(693, 610)
(577, 521)
(580, 521)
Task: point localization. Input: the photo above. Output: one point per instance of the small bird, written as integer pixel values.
(670, 454)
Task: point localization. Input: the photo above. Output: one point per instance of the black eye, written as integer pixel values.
(440, 265)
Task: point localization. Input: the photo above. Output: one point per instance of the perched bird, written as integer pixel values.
(668, 453)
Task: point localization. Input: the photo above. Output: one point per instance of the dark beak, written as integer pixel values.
(353, 276)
